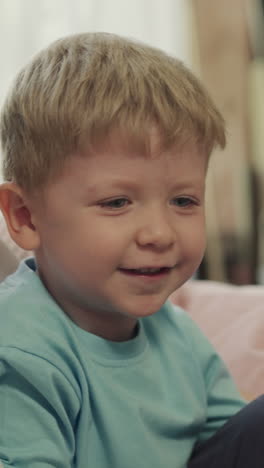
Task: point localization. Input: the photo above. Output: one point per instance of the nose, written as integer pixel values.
(156, 230)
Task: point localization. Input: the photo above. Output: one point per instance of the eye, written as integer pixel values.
(115, 203)
(184, 202)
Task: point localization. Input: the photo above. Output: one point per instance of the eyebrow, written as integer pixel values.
(112, 183)
(132, 185)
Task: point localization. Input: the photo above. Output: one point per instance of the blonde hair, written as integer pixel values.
(81, 87)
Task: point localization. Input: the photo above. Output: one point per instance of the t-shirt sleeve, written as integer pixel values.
(223, 399)
(38, 412)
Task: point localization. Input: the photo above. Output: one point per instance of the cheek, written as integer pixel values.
(90, 248)
(103, 238)
(195, 242)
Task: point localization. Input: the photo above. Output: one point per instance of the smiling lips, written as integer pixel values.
(153, 271)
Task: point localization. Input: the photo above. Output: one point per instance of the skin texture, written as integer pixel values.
(109, 214)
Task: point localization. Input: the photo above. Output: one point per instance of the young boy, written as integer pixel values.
(106, 144)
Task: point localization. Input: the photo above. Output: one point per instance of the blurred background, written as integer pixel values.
(223, 43)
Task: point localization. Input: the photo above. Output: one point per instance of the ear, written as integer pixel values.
(18, 216)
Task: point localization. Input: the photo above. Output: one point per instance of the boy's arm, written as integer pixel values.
(38, 411)
(223, 399)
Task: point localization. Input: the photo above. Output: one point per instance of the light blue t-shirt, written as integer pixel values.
(72, 399)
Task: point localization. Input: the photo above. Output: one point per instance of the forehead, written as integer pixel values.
(119, 158)
(119, 151)
(149, 142)
(116, 165)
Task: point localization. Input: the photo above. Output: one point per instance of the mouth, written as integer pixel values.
(146, 271)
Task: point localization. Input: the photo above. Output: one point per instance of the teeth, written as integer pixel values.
(149, 270)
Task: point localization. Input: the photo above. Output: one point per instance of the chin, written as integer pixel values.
(145, 310)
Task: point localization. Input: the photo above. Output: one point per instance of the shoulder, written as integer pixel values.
(33, 325)
(173, 327)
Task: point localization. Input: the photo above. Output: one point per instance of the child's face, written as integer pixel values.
(119, 232)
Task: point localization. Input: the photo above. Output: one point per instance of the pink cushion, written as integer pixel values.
(232, 317)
